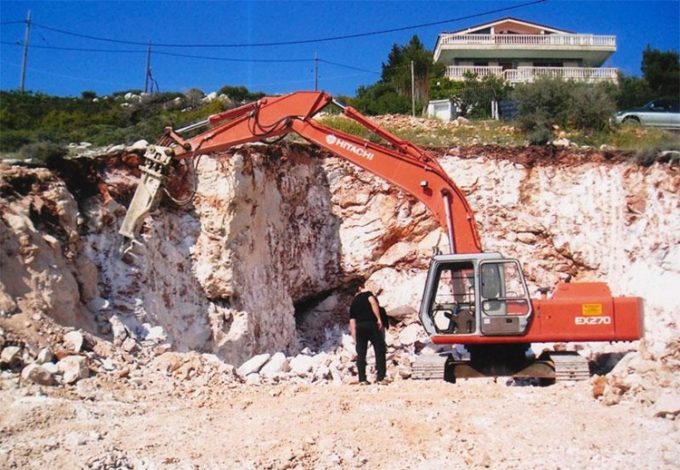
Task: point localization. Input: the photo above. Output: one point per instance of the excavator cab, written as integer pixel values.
(480, 294)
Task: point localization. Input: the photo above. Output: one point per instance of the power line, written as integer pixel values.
(228, 59)
(77, 49)
(350, 67)
(5, 23)
(289, 43)
(189, 56)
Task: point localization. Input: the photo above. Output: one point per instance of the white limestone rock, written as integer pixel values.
(253, 365)
(73, 368)
(276, 365)
(11, 357)
(37, 374)
(411, 334)
(73, 341)
(45, 355)
(301, 365)
(667, 404)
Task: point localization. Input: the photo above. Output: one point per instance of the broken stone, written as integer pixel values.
(599, 385)
(102, 349)
(253, 379)
(73, 368)
(276, 365)
(410, 334)
(253, 365)
(301, 365)
(10, 358)
(322, 373)
(7, 305)
(119, 330)
(527, 237)
(667, 405)
(563, 142)
(73, 341)
(404, 314)
(167, 362)
(156, 334)
(45, 355)
(348, 344)
(140, 145)
(37, 374)
(115, 149)
(129, 345)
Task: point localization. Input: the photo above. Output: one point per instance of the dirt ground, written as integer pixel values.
(406, 424)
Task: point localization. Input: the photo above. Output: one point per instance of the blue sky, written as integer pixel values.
(635, 23)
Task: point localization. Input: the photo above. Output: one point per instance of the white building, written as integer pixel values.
(521, 51)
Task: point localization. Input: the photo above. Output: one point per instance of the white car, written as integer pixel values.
(662, 112)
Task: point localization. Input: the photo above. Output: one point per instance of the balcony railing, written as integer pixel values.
(579, 74)
(459, 72)
(529, 74)
(532, 40)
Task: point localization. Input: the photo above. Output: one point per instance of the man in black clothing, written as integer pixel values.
(365, 325)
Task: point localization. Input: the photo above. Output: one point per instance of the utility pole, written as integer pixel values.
(24, 59)
(147, 74)
(316, 71)
(413, 91)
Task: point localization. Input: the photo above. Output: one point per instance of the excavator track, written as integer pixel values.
(553, 366)
(430, 367)
(569, 365)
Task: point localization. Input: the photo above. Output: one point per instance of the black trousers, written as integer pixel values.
(368, 331)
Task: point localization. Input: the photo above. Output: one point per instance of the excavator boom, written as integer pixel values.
(402, 163)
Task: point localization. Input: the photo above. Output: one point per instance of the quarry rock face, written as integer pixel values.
(266, 254)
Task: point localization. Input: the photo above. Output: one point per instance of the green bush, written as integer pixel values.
(43, 151)
(543, 103)
(550, 102)
(11, 140)
(240, 94)
(473, 95)
(381, 98)
(590, 106)
(346, 125)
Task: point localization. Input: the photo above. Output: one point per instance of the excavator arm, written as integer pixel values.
(402, 163)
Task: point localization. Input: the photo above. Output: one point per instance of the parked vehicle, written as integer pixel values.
(662, 112)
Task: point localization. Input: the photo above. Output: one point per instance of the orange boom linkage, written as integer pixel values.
(472, 298)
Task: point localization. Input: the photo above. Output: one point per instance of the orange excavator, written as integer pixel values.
(471, 298)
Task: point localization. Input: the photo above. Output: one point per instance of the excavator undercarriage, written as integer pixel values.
(549, 367)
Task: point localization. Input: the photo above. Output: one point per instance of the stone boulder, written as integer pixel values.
(10, 358)
(253, 365)
(73, 368)
(38, 374)
(73, 341)
(276, 365)
(302, 365)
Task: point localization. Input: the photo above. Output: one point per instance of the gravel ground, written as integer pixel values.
(406, 424)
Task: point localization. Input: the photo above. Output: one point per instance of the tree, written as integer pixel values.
(392, 93)
(88, 95)
(381, 98)
(632, 92)
(661, 71)
(472, 96)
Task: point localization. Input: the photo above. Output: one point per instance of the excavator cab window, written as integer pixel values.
(453, 303)
(504, 298)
